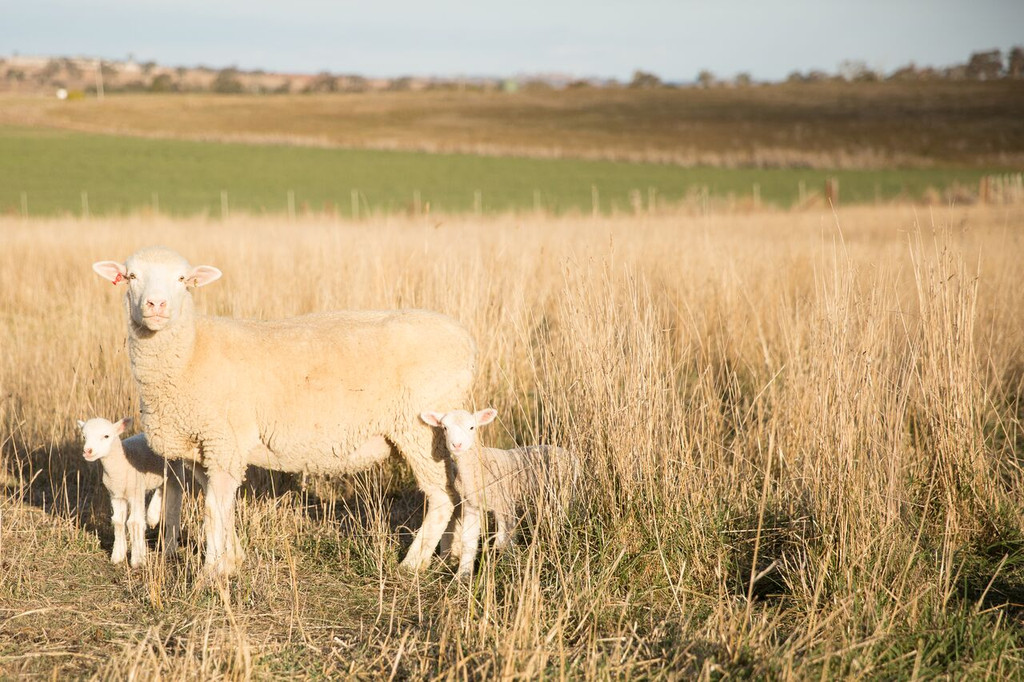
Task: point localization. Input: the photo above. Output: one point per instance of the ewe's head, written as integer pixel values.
(158, 281)
(459, 426)
(100, 435)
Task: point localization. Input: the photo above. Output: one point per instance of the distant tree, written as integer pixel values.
(985, 66)
(72, 68)
(400, 84)
(856, 71)
(644, 79)
(795, 77)
(323, 82)
(227, 82)
(706, 78)
(163, 83)
(108, 70)
(906, 73)
(744, 80)
(1015, 63)
(147, 67)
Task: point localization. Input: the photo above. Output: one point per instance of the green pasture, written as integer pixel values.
(49, 172)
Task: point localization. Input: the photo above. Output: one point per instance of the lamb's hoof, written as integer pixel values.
(464, 577)
(117, 558)
(137, 563)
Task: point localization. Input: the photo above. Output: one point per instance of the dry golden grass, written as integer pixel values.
(801, 433)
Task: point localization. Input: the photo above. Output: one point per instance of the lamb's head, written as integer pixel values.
(158, 281)
(459, 426)
(100, 435)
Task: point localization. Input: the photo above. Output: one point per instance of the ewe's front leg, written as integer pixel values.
(431, 475)
(137, 528)
(153, 511)
(118, 517)
(222, 547)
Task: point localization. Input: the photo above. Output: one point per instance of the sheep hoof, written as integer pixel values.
(117, 558)
(464, 577)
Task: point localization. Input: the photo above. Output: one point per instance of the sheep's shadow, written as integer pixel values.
(57, 480)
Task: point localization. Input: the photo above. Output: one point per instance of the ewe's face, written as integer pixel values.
(158, 282)
(99, 435)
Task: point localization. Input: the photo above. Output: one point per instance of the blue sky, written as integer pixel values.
(675, 40)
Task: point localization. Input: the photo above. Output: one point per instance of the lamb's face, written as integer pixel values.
(100, 435)
(158, 282)
(460, 427)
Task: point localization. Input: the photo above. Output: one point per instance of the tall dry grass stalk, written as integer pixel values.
(801, 436)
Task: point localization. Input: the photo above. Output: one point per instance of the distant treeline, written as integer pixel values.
(87, 76)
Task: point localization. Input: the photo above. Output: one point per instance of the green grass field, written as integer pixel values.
(47, 172)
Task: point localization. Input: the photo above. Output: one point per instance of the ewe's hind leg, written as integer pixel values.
(171, 528)
(153, 510)
(118, 517)
(430, 472)
(222, 551)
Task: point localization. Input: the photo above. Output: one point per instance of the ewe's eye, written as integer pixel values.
(182, 278)
(472, 428)
(131, 275)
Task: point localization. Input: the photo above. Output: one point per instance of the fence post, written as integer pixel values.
(832, 192)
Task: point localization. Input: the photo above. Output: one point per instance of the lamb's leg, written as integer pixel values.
(171, 528)
(470, 540)
(137, 527)
(430, 473)
(118, 517)
(221, 540)
(502, 538)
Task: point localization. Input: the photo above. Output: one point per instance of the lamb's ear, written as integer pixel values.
(485, 416)
(81, 424)
(431, 418)
(122, 424)
(202, 275)
(111, 271)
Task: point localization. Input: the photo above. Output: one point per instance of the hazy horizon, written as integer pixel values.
(674, 40)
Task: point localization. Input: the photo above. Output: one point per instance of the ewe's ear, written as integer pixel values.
(431, 418)
(110, 270)
(485, 416)
(202, 275)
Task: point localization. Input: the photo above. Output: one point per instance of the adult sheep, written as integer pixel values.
(323, 393)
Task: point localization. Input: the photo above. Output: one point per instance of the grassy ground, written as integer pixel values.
(46, 171)
(826, 125)
(802, 434)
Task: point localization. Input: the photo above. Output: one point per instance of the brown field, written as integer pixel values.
(802, 433)
(824, 125)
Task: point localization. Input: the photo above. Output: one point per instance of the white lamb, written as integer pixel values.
(500, 481)
(130, 470)
(324, 393)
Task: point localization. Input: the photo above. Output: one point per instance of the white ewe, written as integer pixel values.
(130, 470)
(325, 393)
(500, 481)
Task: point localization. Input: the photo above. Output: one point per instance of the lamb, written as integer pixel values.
(501, 481)
(323, 393)
(130, 470)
